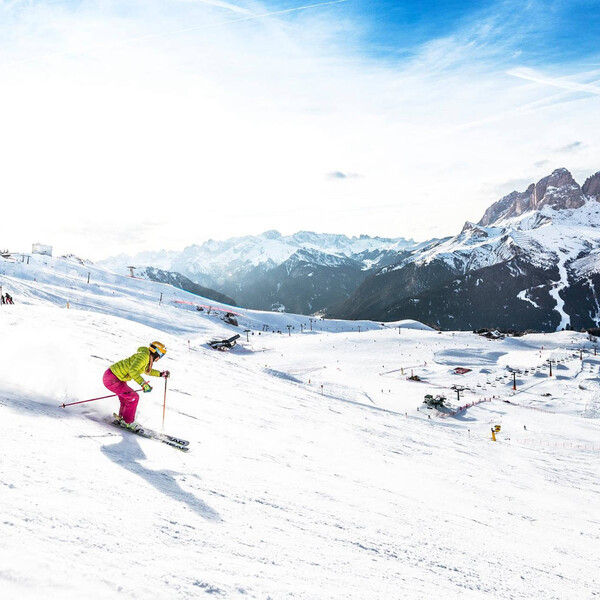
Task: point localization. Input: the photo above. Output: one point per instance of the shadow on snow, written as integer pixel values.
(128, 454)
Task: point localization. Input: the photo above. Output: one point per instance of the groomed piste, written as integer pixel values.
(314, 471)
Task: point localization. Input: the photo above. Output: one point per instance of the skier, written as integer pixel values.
(117, 375)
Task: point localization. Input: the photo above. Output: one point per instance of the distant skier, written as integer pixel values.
(117, 375)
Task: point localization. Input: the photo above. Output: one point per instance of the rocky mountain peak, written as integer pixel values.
(591, 187)
(511, 205)
(473, 230)
(558, 190)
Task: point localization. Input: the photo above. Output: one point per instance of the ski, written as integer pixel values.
(154, 435)
(145, 432)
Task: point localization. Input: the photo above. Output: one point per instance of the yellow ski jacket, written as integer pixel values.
(134, 366)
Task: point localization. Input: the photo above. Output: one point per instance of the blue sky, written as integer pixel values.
(394, 29)
(543, 32)
(132, 124)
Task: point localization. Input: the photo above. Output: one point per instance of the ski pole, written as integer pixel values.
(164, 404)
(64, 405)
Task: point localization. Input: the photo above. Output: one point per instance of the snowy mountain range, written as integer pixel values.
(531, 262)
(315, 469)
(304, 272)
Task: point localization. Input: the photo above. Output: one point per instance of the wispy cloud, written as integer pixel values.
(572, 147)
(248, 16)
(340, 175)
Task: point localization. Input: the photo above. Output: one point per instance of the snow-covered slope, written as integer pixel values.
(314, 471)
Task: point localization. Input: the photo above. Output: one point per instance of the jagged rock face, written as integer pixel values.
(591, 187)
(512, 205)
(558, 190)
(473, 230)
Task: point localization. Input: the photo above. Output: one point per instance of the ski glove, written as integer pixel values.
(146, 387)
(165, 374)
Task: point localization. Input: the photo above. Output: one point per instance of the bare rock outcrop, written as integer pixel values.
(558, 190)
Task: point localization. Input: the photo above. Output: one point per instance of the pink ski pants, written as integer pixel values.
(127, 397)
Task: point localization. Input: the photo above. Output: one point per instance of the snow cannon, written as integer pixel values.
(495, 429)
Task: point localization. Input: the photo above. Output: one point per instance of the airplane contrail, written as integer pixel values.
(227, 6)
(531, 75)
(250, 17)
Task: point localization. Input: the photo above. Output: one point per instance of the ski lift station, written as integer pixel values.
(41, 249)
